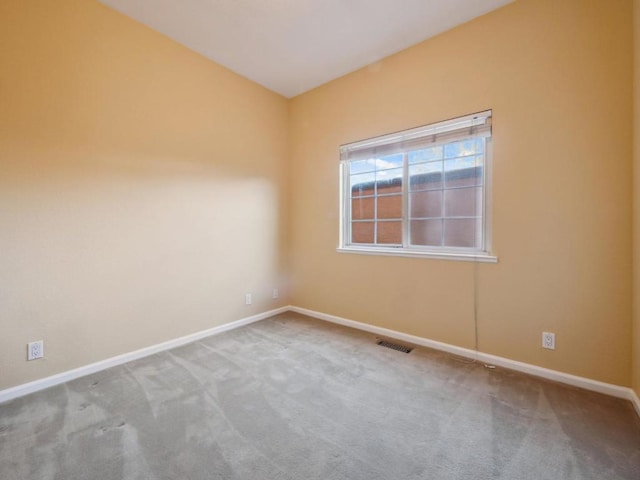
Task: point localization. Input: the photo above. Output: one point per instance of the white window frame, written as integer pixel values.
(474, 125)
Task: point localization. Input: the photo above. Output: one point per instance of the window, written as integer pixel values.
(421, 192)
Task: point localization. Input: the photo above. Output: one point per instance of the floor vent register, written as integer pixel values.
(394, 346)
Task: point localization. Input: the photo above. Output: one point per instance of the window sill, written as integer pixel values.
(396, 252)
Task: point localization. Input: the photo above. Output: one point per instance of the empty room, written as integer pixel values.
(320, 239)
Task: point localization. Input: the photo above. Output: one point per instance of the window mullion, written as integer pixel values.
(343, 206)
(375, 207)
(442, 200)
(405, 200)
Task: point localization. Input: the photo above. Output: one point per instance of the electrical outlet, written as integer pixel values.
(275, 293)
(247, 299)
(549, 340)
(35, 350)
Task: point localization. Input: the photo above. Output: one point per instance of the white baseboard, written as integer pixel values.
(582, 382)
(636, 401)
(576, 381)
(31, 387)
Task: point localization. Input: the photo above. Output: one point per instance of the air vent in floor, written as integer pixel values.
(394, 346)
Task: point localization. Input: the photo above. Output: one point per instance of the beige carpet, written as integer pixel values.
(296, 398)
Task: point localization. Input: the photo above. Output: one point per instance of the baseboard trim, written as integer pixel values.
(574, 380)
(41, 384)
(566, 378)
(636, 401)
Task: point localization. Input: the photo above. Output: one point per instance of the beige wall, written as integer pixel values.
(144, 189)
(636, 199)
(558, 78)
(141, 188)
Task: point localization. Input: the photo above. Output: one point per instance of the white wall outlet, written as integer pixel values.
(275, 293)
(549, 340)
(247, 299)
(35, 350)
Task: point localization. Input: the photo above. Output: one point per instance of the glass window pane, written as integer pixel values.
(362, 208)
(389, 232)
(463, 148)
(463, 172)
(426, 155)
(389, 161)
(425, 176)
(362, 184)
(362, 232)
(390, 207)
(389, 181)
(426, 232)
(362, 166)
(463, 202)
(425, 204)
(454, 149)
(460, 232)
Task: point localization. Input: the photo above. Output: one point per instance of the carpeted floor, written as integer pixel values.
(296, 398)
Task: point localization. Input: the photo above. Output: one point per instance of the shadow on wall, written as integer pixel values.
(106, 255)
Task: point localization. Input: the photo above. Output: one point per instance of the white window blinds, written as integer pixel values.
(476, 125)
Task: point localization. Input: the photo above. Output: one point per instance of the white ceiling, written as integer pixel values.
(291, 46)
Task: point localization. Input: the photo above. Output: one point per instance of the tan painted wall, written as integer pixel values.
(558, 78)
(636, 199)
(141, 188)
(134, 209)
